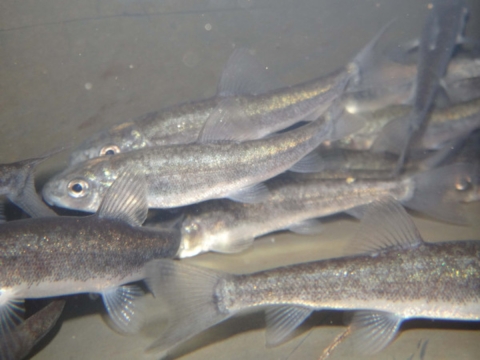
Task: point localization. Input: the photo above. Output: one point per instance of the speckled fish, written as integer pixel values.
(53, 256)
(178, 175)
(17, 344)
(242, 110)
(443, 126)
(441, 33)
(399, 277)
(393, 82)
(17, 183)
(295, 202)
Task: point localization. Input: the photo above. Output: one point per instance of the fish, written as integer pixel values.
(101, 253)
(184, 174)
(17, 183)
(441, 33)
(444, 125)
(395, 276)
(17, 344)
(296, 202)
(393, 84)
(243, 109)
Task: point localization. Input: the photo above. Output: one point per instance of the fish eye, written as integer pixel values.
(77, 188)
(109, 150)
(463, 184)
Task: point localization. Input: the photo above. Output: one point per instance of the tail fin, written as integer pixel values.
(361, 63)
(438, 192)
(192, 296)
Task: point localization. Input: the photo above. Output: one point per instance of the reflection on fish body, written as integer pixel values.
(180, 175)
(17, 183)
(294, 201)
(55, 256)
(243, 110)
(399, 278)
(443, 126)
(441, 33)
(17, 344)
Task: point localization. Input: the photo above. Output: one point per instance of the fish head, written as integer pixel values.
(81, 187)
(193, 237)
(118, 139)
(205, 231)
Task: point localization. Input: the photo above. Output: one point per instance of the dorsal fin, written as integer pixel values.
(244, 75)
(126, 199)
(386, 225)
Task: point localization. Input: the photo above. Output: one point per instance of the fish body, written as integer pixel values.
(179, 124)
(61, 256)
(17, 344)
(295, 200)
(17, 183)
(55, 256)
(442, 30)
(393, 84)
(444, 125)
(242, 110)
(178, 175)
(398, 277)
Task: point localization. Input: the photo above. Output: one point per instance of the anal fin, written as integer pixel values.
(122, 308)
(282, 321)
(373, 330)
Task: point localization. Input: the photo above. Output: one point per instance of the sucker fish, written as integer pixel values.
(398, 277)
(242, 110)
(295, 202)
(17, 344)
(185, 174)
(54, 256)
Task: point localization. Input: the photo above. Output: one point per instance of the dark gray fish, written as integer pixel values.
(244, 109)
(53, 256)
(399, 277)
(295, 202)
(17, 344)
(441, 33)
(17, 183)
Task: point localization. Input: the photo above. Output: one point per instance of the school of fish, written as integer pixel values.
(256, 159)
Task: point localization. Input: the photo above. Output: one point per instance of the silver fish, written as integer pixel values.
(242, 103)
(53, 256)
(17, 344)
(443, 28)
(444, 125)
(178, 175)
(399, 277)
(295, 202)
(17, 183)
(393, 84)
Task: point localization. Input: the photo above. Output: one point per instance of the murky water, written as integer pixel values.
(69, 69)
